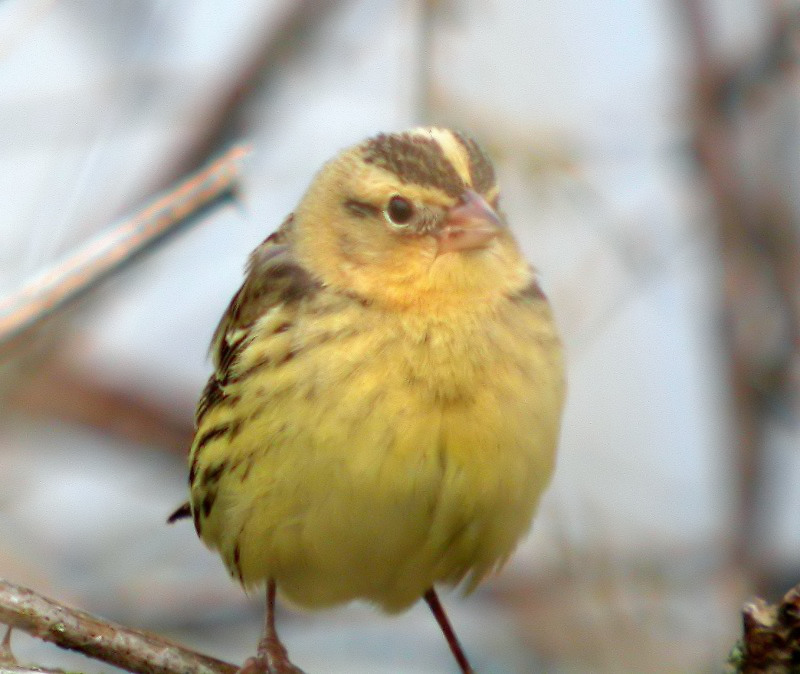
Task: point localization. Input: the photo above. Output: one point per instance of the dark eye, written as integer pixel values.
(399, 211)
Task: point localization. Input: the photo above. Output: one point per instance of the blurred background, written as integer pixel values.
(648, 152)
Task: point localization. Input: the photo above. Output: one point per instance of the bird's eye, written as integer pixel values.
(399, 211)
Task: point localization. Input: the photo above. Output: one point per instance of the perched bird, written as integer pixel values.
(388, 386)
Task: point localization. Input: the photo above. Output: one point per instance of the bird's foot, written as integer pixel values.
(261, 665)
(6, 656)
(272, 661)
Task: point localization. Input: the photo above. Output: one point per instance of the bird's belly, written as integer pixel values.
(384, 484)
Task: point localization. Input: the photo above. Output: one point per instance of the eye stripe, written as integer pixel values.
(362, 209)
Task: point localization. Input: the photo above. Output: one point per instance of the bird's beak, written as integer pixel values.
(469, 225)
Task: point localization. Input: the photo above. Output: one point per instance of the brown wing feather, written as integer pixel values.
(273, 277)
(253, 298)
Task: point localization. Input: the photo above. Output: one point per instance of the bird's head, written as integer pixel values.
(410, 218)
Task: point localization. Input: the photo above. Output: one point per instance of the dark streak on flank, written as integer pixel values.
(259, 365)
(212, 475)
(237, 562)
(230, 349)
(211, 434)
(208, 502)
(414, 159)
(193, 471)
(212, 395)
(481, 169)
(361, 209)
(247, 469)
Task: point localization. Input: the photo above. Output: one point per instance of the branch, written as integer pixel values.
(771, 636)
(759, 249)
(134, 650)
(58, 389)
(104, 254)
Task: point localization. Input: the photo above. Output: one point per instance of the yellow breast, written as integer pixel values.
(377, 453)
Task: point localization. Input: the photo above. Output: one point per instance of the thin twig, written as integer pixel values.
(106, 253)
(134, 650)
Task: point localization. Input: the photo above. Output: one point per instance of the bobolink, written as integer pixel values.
(388, 386)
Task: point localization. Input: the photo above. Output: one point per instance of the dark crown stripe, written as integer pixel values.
(481, 169)
(414, 159)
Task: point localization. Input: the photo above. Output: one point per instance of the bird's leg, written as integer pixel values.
(452, 640)
(6, 656)
(272, 657)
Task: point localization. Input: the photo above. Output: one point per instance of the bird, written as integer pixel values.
(388, 385)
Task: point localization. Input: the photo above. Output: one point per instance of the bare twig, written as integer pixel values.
(133, 650)
(106, 253)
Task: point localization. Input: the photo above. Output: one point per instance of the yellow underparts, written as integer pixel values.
(380, 452)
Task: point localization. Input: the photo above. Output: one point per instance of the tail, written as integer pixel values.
(184, 510)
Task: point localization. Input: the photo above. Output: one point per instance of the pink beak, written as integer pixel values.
(471, 224)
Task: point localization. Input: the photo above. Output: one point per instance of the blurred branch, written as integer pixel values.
(779, 54)
(132, 650)
(759, 249)
(59, 390)
(771, 640)
(106, 253)
(224, 123)
(428, 10)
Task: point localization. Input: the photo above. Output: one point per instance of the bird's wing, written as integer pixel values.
(275, 285)
(273, 278)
